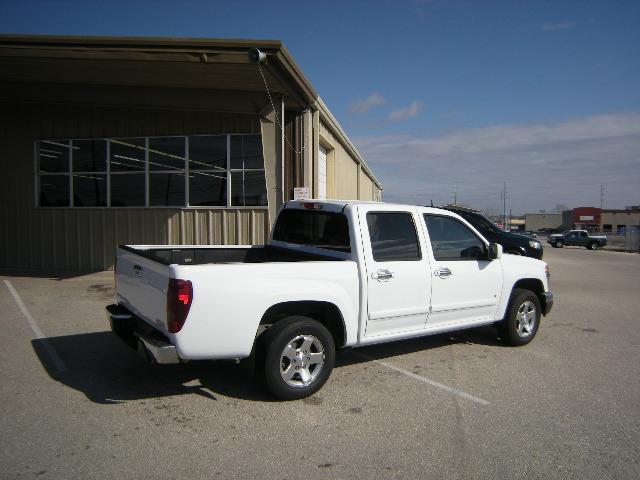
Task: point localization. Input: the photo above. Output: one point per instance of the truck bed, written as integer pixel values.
(219, 255)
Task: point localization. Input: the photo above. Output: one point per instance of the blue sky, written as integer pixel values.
(541, 94)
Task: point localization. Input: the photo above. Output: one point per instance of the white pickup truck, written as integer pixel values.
(335, 274)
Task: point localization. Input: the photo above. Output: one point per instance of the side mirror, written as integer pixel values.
(495, 251)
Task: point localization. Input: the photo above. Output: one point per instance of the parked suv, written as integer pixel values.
(512, 243)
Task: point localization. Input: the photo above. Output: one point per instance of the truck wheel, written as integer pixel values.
(559, 243)
(299, 354)
(523, 318)
(594, 246)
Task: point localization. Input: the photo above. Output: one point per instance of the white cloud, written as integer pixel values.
(363, 106)
(543, 164)
(556, 26)
(406, 112)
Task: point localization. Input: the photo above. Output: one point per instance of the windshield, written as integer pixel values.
(482, 223)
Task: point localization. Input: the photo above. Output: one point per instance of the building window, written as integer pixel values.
(606, 227)
(175, 171)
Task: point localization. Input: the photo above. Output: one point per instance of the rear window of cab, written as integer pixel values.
(313, 229)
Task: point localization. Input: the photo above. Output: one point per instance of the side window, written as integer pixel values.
(451, 240)
(393, 236)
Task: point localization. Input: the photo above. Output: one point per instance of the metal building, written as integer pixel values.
(108, 140)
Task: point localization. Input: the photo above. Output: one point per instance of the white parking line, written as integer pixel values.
(420, 378)
(55, 358)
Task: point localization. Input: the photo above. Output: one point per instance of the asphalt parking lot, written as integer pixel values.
(78, 404)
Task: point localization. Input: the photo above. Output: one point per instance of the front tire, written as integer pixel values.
(523, 318)
(298, 358)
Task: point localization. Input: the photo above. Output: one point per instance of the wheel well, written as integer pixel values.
(324, 312)
(534, 285)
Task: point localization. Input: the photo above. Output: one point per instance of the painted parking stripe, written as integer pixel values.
(55, 358)
(428, 381)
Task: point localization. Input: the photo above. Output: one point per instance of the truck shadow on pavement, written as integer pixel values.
(108, 372)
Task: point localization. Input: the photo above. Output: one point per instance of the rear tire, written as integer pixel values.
(594, 246)
(523, 318)
(559, 244)
(299, 355)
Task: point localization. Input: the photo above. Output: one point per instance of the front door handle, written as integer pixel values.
(382, 275)
(442, 272)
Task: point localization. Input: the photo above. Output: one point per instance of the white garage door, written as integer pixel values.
(322, 173)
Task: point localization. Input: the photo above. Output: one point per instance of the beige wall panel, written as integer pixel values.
(345, 180)
(536, 221)
(85, 239)
(273, 154)
(346, 176)
(629, 218)
(366, 187)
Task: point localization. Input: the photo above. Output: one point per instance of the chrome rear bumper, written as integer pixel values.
(151, 344)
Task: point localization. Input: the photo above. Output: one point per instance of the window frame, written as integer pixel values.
(69, 173)
(415, 228)
(468, 227)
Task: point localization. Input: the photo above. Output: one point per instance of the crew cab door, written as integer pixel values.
(582, 239)
(571, 238)
(397, 270)
(576, 238)
(466, 285)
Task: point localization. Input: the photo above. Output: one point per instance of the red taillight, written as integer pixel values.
(179, 298)
(312, 206)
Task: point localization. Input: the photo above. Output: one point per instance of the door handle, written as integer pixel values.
(443, 272)
(137, 269)
(382, 275)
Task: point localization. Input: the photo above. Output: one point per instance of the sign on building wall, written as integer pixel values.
(586, 217)
(301, 193)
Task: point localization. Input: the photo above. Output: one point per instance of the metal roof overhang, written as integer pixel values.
(201, 64)
(207, 74)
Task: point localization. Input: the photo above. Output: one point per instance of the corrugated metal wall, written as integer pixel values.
(345, 172)
(366, 187)
(85, 239)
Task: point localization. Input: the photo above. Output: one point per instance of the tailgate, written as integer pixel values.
(141, 286)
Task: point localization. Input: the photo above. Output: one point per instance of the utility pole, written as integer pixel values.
(504, 206)
(601, 195)
(455, 194)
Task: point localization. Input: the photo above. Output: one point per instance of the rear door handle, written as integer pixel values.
(443, 272)
(382, 275)
(137, 269)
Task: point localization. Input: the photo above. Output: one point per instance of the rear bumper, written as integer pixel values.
(151, 344)
(547, 303)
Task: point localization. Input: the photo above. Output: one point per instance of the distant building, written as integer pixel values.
(586, 218)
(618, 221)
(537, 221)
(595, 219)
